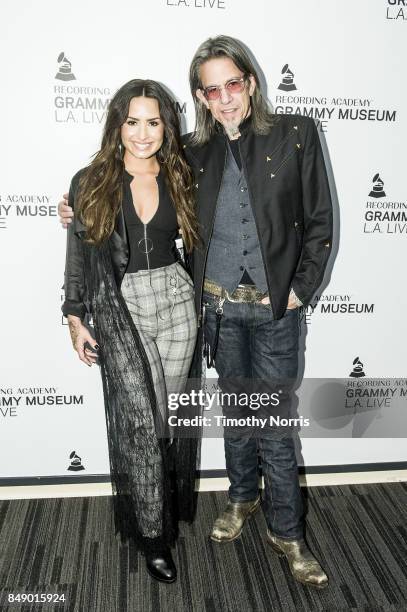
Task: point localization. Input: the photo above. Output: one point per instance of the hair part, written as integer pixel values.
(226, 46)
(100, 188)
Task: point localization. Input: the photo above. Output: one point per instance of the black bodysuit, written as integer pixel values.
(152, 245)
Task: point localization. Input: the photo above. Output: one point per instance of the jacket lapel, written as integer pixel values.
(255, 161)
(120, 227)
(208, 163)
(120, 248)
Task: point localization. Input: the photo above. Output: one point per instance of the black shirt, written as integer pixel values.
(152, 244)
(234, 147)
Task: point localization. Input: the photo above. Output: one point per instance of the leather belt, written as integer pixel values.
(243, 293)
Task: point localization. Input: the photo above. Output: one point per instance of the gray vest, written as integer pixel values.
(234, 245)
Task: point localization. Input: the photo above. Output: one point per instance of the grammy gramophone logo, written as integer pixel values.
(357, 371)
(76, 463)
(287, 82)
(64, 69)
(377, 188)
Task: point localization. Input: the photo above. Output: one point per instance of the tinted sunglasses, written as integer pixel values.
(233, 86)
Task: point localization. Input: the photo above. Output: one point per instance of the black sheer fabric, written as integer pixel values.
(153, 484)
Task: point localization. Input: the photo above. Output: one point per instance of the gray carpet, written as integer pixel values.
(359, 533)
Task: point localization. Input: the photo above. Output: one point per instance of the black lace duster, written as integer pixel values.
(153, 483)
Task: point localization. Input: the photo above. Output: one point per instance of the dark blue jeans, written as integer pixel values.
(259, 353)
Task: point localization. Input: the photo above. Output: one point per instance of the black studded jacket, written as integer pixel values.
(291, 201)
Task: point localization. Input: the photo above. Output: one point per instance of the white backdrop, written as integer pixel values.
(345, 66)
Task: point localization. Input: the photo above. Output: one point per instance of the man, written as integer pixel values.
(264, 210)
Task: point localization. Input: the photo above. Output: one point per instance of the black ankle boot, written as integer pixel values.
(161, 566)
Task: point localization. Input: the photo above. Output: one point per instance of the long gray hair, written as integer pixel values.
(226, 46)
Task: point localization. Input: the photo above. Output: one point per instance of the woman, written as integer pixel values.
(123, 267)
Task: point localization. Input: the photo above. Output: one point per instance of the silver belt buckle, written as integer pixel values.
(229, 298)
(251, 290)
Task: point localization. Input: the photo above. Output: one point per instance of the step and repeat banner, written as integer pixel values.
(341, 63)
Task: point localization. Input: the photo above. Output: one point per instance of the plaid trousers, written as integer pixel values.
(161, 303)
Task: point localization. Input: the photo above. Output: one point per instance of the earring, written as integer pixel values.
(120, 147)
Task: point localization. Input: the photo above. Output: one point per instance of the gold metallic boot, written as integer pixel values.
(303, 565)
(228, 526)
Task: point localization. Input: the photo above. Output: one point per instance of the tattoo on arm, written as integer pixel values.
(74, 330)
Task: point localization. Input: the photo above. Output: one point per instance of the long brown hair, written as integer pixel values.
(100, 189)
(226, 46)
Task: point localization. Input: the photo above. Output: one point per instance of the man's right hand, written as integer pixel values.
(65, 212)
